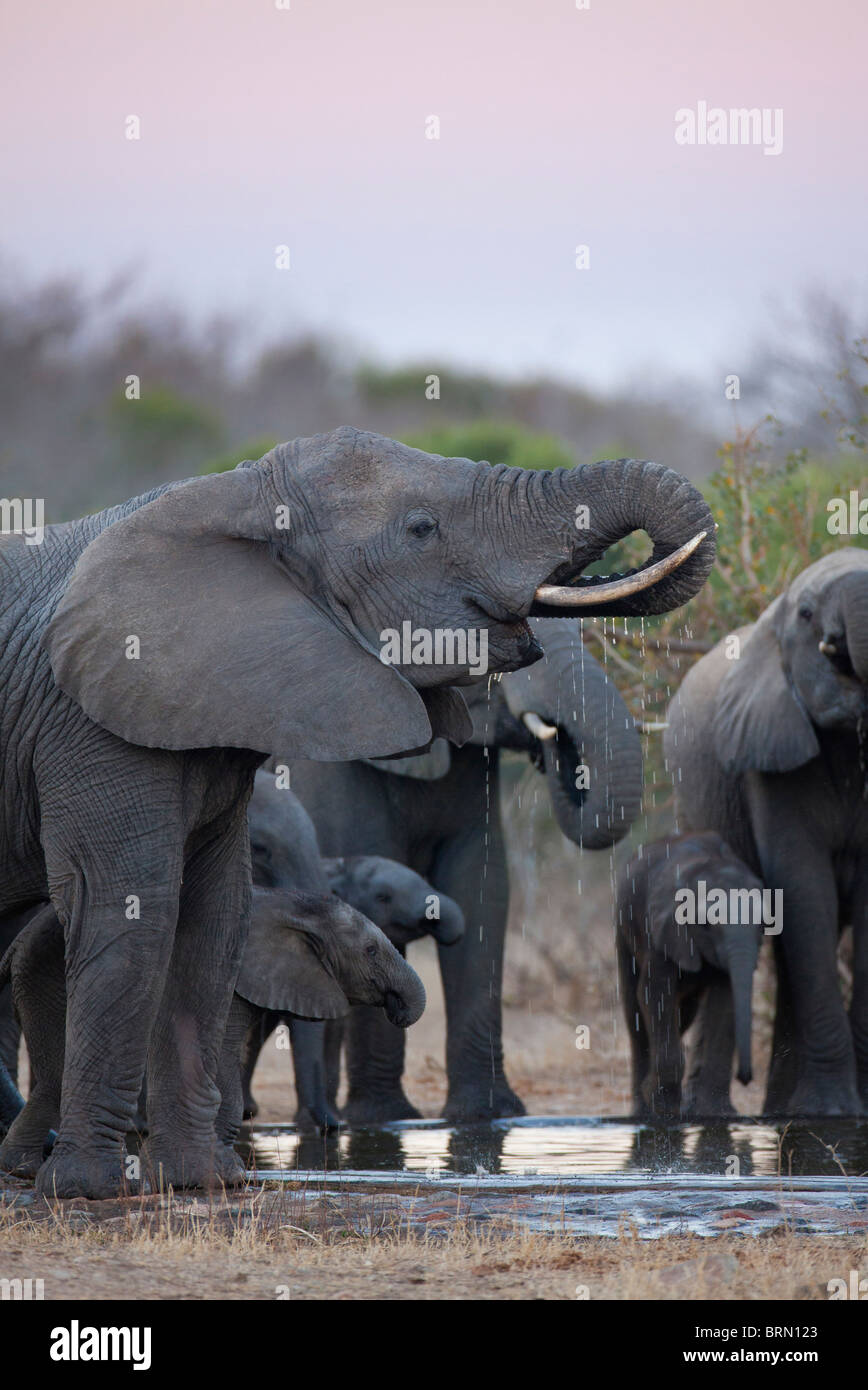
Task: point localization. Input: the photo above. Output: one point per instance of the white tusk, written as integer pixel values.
(563, 596)
(538, 727)
(651, 726)
(828, 649)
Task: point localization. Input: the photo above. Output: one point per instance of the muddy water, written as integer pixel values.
(589, 1177)
(572, 1148)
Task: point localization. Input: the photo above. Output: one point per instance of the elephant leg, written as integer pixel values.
(308, 1057)
(784, 1066)
(116, 964)
(472, 870)
(375, 1066)
(859, 1002)
(628, 974)
(709, 1075)
(334, 1042)
(259, 1031)
(657, 993)
(40, 998)
(826, 1062)
(10, 1034)
(182, 1147)
(243, 1019)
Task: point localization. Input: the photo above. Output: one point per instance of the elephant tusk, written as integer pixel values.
(538, 727)
(651, 726)
(591, 594)
(828, 649)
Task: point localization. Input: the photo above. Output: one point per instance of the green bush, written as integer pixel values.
(495, 441)
(253, 449)
(162, 426)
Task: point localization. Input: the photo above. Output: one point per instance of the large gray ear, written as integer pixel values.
(759, 722)
(281, 970)
(677, 940)
(231, 652)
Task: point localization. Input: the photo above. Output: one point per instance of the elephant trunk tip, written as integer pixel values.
(745, 1074)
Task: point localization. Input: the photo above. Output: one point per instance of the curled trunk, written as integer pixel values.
(582, 511)
(586, 736)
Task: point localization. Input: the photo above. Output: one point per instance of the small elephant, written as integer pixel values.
(285, 853)
(306, 957)
(683, 938)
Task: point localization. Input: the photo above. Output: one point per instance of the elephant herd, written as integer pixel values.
(166, 901)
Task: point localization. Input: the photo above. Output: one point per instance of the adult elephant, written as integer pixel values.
(154, 652)
(440, 815)
(766, 742)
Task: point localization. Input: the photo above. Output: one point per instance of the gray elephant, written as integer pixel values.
(285, 854)
(440, 814)
(689, 925)
(155, 652)
(306, 956)
(766, 742)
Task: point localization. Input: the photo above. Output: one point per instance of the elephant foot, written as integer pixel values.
(820, 1096)
(71, 1172)
(379, 1110)
(480, 1103)
(317, 1121)
(700, 1107)
(209, 1166)
(22, 1160)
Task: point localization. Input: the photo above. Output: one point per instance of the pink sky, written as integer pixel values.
(262, 126)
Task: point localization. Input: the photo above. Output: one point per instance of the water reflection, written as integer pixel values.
(567, 1147)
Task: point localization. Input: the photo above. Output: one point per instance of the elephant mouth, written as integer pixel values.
(397, 1011)
(838, 657)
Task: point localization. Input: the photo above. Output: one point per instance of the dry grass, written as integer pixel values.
(180, 1255)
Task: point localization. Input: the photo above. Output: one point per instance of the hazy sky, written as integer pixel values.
(307, 126)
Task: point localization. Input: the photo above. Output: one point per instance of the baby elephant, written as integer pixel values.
(689, 928)
(307, 956)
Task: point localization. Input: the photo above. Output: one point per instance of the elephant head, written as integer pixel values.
(320, 602)
(314, 956)
(399, 901)
(803, 666)
(704, 864)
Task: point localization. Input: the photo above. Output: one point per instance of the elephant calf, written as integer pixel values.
(285, 854)
(307, 956)
(687, 934)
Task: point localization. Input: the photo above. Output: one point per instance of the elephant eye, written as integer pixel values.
(384, 898)
(806, 612)
(371, 948)
(422, 527)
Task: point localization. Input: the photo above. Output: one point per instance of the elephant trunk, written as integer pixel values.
(741, 967)
(404, 997)
(854, 608)
(589, 743)
(580, 512)
(449, 928)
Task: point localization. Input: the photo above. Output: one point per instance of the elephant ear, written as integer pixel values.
(182, 626)
(759, 722)
(281, 970)
(677, 940)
